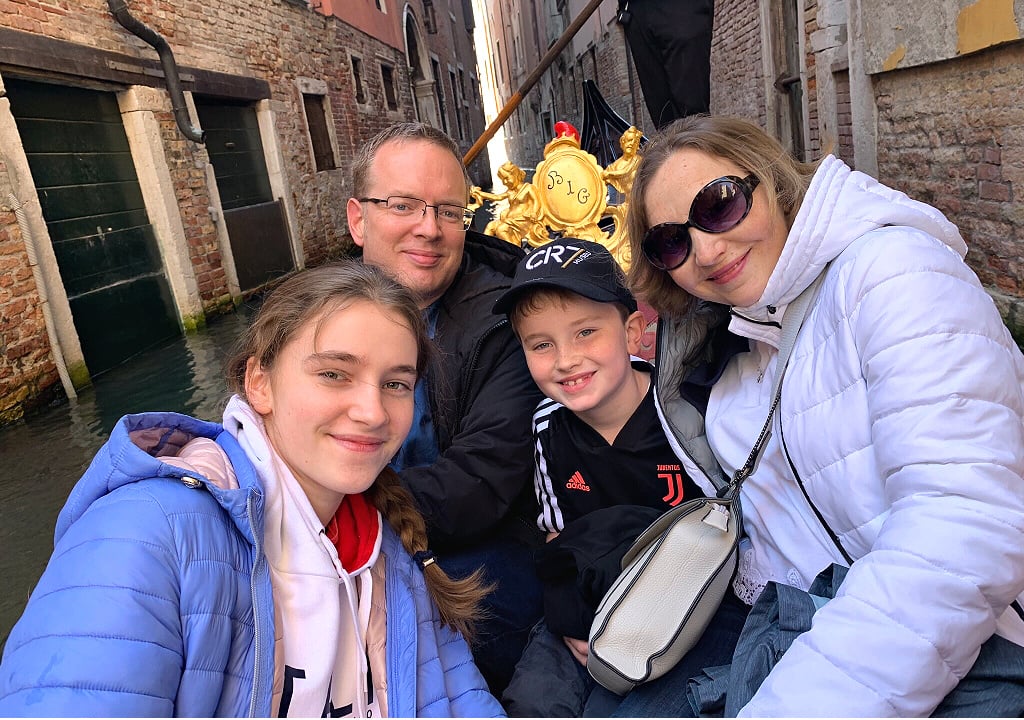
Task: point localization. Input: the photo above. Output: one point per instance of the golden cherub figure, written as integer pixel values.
(520, 222)
(619, 174)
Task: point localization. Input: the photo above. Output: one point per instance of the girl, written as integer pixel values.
(245, 569)
(898, 446)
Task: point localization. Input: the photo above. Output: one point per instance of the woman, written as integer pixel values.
(898, 446)
(244, 569)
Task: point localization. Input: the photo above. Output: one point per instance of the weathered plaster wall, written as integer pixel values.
(952, 134)
(902, 35)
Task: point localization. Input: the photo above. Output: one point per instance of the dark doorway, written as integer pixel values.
(786, 33)
(254, 219)
(106, 250)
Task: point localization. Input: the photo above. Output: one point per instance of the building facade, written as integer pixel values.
(925, 96)
(129, 212)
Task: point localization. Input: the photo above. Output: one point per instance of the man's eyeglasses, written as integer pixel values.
(720, 206)
(414, 208)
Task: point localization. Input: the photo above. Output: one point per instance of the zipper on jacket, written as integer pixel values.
(666, 420)
(677, 446)
(256, 610)
(765, 323)
(807, 497)
(391, 644)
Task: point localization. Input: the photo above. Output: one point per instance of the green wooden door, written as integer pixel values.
(253, 218)
(107, 253)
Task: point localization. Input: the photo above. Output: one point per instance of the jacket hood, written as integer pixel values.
(840, 206)
(136, 450)
(493, 252)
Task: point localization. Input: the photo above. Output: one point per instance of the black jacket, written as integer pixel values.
(579, 565)
(482, 399)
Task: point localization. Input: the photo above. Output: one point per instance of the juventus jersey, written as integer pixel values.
(577, 471)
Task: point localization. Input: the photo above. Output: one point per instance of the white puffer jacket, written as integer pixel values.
(901, 429)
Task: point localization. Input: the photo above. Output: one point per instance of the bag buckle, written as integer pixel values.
(717, 517)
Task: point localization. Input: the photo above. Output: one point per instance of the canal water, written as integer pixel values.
(42, 456)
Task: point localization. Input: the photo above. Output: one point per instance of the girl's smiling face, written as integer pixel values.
(337, 402)
(733, 267)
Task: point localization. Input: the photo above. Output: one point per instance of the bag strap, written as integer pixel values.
(791, 324)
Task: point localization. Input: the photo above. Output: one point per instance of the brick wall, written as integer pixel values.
(737, 73)
(275, 41)
(952, 134)
(844, 117)
(618, 81)
(813, 149)
(26, 366)
(267, 39)
(184, 162)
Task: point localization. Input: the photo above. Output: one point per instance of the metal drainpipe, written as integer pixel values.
(119, 9)
(37, 274)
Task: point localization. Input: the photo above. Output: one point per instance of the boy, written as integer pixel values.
(603, 468)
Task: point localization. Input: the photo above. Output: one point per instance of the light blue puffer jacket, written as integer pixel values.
(157, 599)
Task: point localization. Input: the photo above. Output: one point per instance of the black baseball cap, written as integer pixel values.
(582, 266)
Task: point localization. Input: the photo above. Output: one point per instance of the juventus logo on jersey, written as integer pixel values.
(674, 481)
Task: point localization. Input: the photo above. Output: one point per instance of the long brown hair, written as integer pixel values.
(313, 295)
(734, 139)
(457, 600)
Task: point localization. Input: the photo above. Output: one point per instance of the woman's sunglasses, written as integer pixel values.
(720, 206)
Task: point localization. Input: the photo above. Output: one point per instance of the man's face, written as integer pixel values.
(422, 253)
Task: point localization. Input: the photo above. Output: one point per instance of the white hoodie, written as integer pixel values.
(321, 610)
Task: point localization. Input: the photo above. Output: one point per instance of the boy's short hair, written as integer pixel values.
(534, 299)
(562, 268)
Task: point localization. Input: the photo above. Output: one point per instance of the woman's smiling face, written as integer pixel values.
(733, 267)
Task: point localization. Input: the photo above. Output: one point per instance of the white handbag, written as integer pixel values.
(673, 580)
(676, 574)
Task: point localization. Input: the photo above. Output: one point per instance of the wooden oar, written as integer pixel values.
(531, 80)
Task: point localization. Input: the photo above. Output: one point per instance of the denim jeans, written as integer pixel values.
(548, 681)
(511, 610)
(994, 687)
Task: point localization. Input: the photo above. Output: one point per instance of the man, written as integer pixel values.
(670, 41)
(468, 460)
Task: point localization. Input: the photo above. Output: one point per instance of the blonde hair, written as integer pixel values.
(734, 139)
(313, 295)
(362, 163)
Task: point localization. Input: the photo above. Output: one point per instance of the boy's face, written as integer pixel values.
(578, 353)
